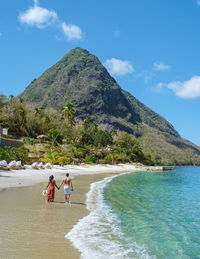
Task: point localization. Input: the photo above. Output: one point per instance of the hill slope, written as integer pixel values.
(80, 78)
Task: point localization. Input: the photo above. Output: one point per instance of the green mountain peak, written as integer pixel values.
(80, 78)
(74, 55)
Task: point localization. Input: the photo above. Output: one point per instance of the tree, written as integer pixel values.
(20, 117)
(21, 100)
(86, 122)
(11, 97)
(102, 138)
(38, 111)
(3, 99)
(129, 145)
(55, 136)
(67, 112)
(86, 136)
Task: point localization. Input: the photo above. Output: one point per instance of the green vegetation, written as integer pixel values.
(12, 153)
(111, 150)
(24, 120)
(67, 141)
(101, 107)
(3, 99)
(55, 136)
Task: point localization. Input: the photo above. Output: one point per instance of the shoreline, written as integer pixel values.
(85, 232)
(31, 183)
(45, 219)
(29, 176)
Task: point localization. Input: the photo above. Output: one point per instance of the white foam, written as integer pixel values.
(98, 235)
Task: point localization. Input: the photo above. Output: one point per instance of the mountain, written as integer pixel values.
(80, 78)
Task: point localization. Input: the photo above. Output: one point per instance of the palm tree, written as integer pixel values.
(21, 100)
(11, 97)
(21, 113)
(68, 112)
(38, 111)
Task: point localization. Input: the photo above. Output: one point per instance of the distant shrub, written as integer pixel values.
(90, 159)
(52, 156)
(12, 153)
(30, 141)
(64, 160)
(108, 159)
(55, 136)
(103, 138)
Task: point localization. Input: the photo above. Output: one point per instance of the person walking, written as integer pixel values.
(68, 187)
(51, 191)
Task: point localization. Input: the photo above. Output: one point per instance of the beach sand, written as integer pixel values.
(30, 228)
(16, 178)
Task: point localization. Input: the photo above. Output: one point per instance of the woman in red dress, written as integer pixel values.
(51, 190)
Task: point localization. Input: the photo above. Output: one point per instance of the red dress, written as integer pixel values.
(50, 194)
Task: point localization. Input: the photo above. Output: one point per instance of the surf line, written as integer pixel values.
(101, 220)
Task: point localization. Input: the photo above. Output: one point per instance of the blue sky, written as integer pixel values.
(150, 47)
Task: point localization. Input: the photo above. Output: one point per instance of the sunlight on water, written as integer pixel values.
(159, 211)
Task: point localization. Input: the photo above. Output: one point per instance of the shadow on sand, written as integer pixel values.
(71, 203)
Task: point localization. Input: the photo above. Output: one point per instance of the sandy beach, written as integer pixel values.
(17, 178)
(30, 228)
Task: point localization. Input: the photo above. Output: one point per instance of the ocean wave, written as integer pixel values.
(98, 235)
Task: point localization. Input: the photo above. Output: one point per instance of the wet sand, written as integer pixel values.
(30, 228)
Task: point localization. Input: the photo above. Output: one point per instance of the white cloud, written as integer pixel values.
(188, 89)
(198, 2)
(38, 16)
(118, 67)
(71, 31)
(161, 66)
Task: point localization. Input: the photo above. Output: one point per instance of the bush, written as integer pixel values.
(63, 160)
(55, 136)
(103, 138)
(12, 153)
(90, 159)
(52, 156)
(30, 141)
(108, 159)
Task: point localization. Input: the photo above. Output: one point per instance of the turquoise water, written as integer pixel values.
(158, 211)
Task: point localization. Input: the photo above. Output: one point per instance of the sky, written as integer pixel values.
(150, 47)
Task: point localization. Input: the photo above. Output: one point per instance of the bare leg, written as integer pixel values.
(66, 197)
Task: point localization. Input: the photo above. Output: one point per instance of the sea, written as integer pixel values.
(142, 215)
